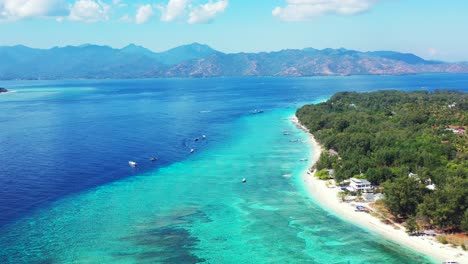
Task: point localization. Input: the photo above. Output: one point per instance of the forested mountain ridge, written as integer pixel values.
(403, 141)
(198, 60)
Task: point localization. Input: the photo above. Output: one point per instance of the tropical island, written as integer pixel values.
(399, 156)
(3, 90)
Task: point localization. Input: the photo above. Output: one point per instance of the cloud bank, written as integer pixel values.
(207, 12)
(89, 11)
(190, 11)
(200, 13)
(21, 9)
(144, 13)
(302, 10)
(173, 10)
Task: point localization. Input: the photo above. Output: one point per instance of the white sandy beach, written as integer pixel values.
(327, 198)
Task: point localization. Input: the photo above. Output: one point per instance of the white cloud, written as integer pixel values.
(173, 10)
(89, 11)
(119, 3)
(300, 10)
(125, 18)
(206, 13)
(197, 13)
(143, 14)
(192, 11)
(19, 9)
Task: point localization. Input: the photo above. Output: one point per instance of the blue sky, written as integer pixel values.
(433, 29)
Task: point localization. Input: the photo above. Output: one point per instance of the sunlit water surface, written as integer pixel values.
(68, 195)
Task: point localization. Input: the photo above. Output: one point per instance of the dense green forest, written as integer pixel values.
(386, 136)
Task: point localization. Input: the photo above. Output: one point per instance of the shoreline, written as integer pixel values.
(327, 198)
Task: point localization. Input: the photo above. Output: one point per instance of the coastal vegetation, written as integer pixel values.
(411, 145)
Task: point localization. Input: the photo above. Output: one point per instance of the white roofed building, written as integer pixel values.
(362, 185)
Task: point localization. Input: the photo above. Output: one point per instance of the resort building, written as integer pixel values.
(362, 185)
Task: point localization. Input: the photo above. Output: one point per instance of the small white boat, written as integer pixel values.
(244, 180)
(132, 163)
(203, 136)
(304, 159)
(257, 111)
(192, 150)
(154, 159)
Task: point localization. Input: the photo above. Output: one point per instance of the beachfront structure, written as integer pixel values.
(428, 182)
(430, 233)
(332, 152)
(452, 105)
(362, 185)
(456, 130)
(370, 197)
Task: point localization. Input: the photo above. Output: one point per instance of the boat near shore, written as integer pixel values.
(257, 111)
(132, 164)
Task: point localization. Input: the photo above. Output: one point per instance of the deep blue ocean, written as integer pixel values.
(68, 195)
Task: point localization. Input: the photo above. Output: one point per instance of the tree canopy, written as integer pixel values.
(403, 141)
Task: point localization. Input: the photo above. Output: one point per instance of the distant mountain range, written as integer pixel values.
(198, 60)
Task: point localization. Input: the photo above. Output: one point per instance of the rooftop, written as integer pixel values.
(363, 181)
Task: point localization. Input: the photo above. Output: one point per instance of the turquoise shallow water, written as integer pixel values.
(197, 210)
